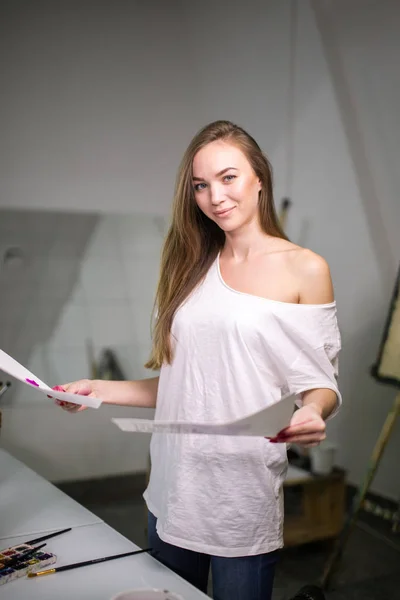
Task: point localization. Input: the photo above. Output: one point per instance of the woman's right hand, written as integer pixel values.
(141, 393)
(85, 387)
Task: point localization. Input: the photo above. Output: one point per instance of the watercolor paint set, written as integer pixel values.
(29, 560)
(18, 561)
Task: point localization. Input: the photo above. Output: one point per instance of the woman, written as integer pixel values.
(243, 316)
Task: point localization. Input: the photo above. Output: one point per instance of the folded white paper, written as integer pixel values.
(266, 423)
(12, 367)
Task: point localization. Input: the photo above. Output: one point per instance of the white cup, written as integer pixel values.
(147, 594)
(322, 458)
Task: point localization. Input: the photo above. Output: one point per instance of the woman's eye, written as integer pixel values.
(229, 177)
(199, 186)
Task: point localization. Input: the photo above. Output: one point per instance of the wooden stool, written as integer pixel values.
(314, 506)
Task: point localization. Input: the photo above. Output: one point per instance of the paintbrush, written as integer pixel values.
(20, 557)
(86, 563)
(48, 536)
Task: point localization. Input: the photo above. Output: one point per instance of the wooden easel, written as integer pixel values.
(386, 370)
(376, 456)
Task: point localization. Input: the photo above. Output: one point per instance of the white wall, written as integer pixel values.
(96, 104)
(114, 104)
(367, 42)
(34, 289)
(110, 306)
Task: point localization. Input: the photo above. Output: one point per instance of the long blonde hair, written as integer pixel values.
(193, 240)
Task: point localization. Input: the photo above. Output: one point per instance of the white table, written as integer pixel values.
(30, 505)
(96, 582)
(90, 538)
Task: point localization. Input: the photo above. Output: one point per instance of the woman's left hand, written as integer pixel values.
(306, 428)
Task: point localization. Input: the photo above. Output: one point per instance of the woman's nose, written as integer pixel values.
(217, 195)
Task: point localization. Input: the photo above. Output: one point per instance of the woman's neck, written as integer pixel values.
(246, 242)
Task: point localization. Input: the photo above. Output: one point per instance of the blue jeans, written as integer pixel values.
(241, 578)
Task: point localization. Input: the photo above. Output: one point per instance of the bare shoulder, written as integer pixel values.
(309, 264)
(314, 277)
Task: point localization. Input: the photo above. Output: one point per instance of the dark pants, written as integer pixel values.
(241, 578)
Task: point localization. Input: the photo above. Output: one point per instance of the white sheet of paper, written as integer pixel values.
(265, 423)
(15, 369)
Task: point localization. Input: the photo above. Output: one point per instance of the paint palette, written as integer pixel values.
(33, 563)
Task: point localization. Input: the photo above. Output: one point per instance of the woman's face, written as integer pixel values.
(225, 186)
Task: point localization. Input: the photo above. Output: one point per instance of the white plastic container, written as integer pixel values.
(322, 458)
